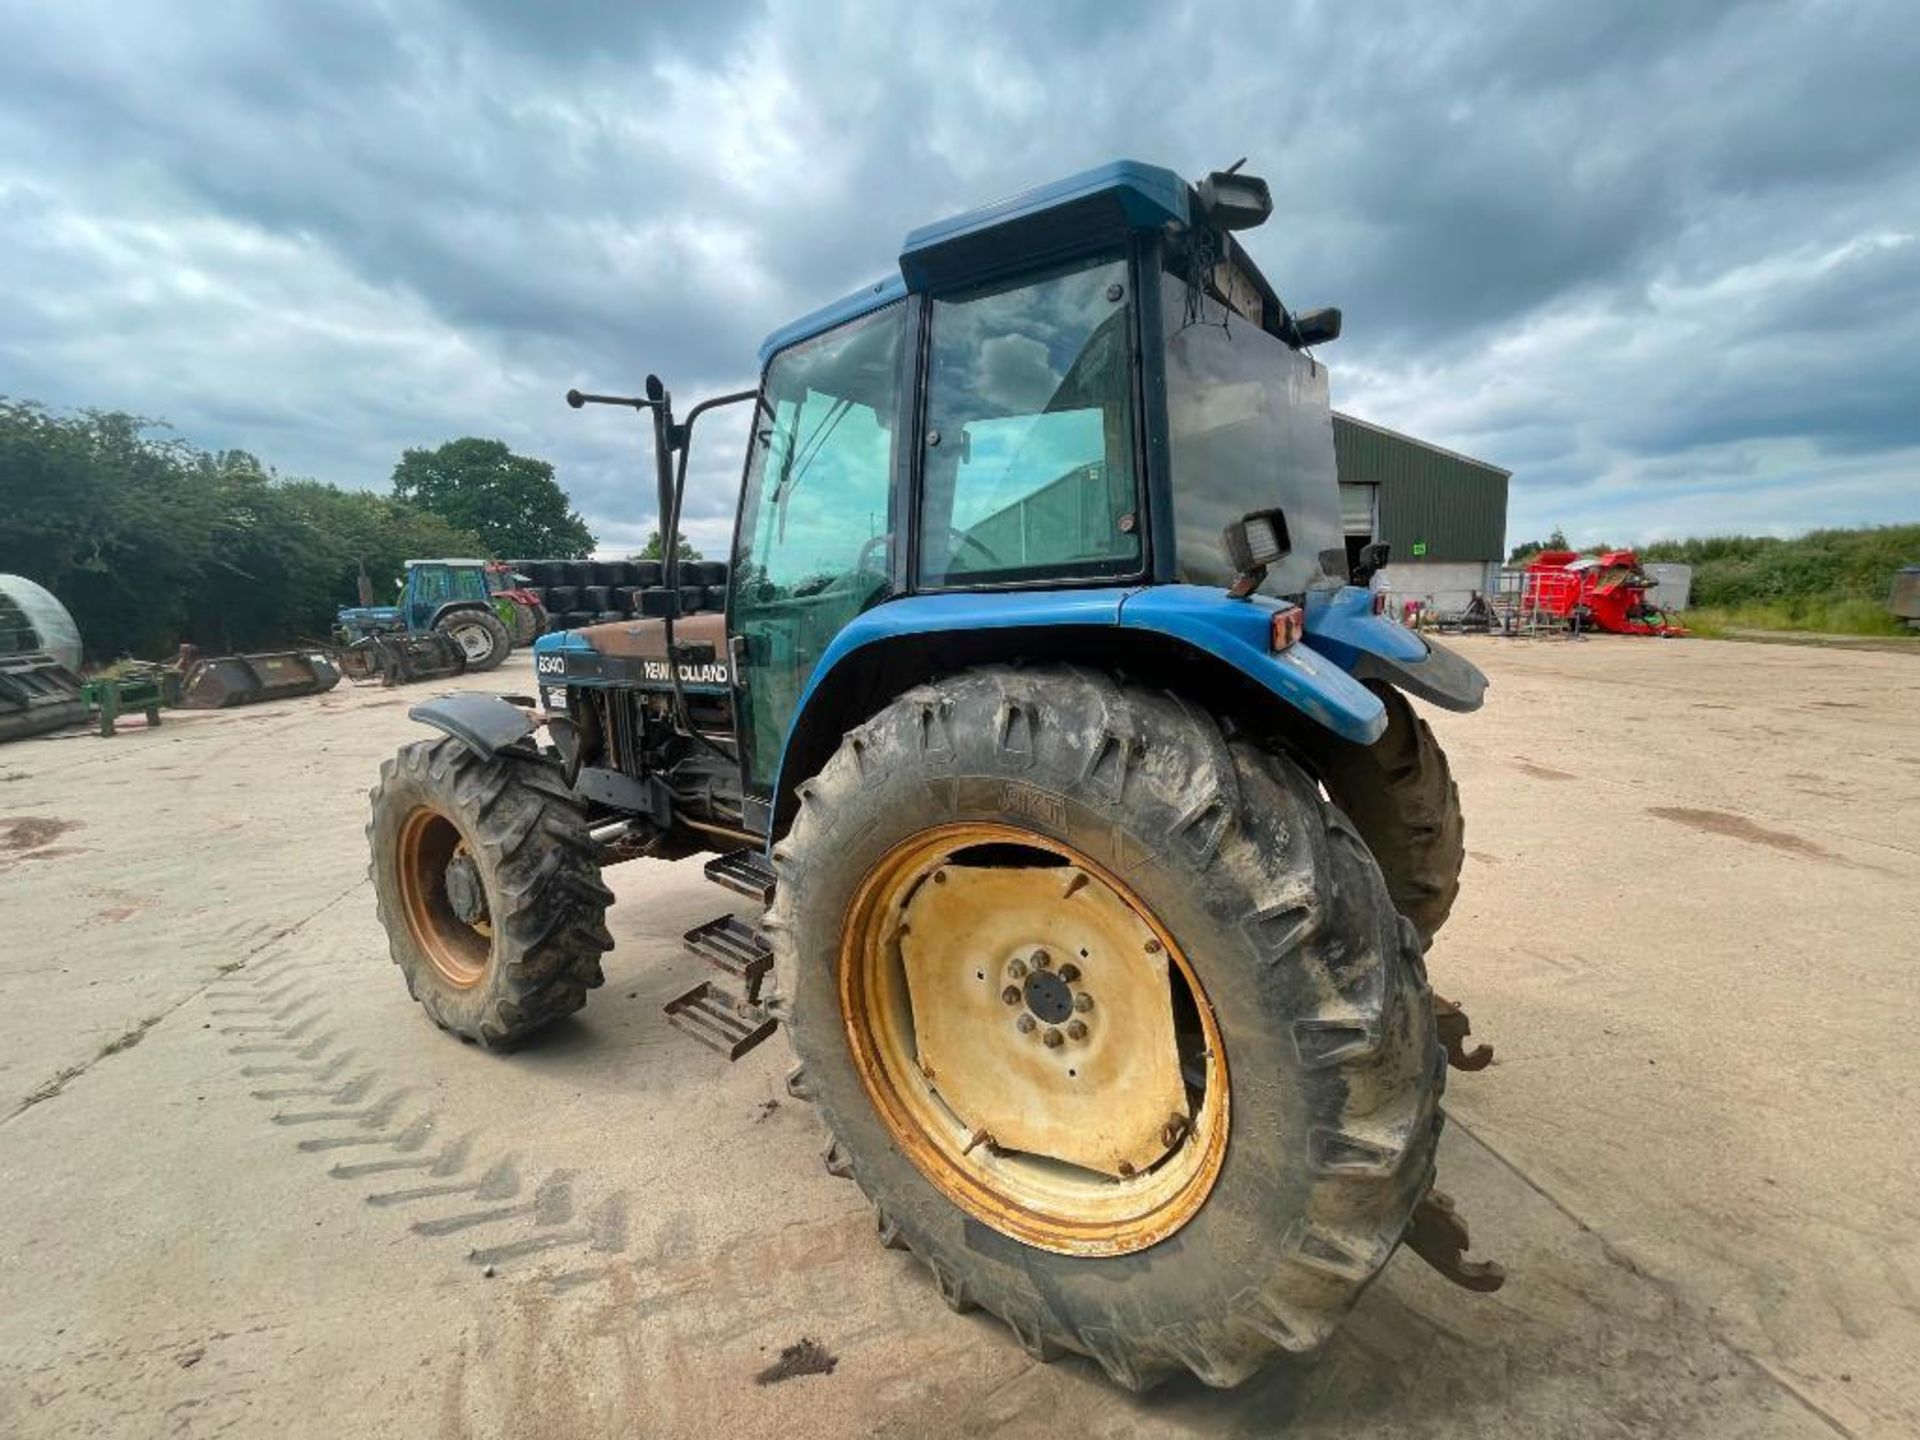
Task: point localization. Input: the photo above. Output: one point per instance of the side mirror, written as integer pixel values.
(1252, 543)
(1372, 559)
(1317, 327)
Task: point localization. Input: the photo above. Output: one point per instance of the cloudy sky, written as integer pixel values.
(1662, 260)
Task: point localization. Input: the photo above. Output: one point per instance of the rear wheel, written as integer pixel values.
(488, 885)
(1111, 1017)
(1400, 794)
(480, 636)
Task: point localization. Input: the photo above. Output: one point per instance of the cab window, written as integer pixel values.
(815, 522)
(1029, 462)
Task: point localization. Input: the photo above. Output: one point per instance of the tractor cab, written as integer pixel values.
(1088, 390)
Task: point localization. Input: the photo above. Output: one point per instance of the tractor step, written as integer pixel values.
(719, 1019)
(746, 871)
(728, 943)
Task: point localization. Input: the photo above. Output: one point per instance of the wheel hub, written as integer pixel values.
(1035, 1076)
(1049, 999)
(1033, 1040)
(465, 894)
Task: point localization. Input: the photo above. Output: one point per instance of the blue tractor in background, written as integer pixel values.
(478, 609)
(1097, 840)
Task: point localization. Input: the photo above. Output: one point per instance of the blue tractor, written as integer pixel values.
(458, 601)
(1091, 840)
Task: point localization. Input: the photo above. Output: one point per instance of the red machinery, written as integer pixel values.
(1601, 592)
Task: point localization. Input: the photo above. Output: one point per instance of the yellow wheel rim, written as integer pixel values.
(457, 949)
(1034, 1039)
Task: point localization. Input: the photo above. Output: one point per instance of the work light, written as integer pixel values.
(1253, 542)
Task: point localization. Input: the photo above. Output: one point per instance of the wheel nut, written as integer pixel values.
(1024, 1024)
(1083, 1002)
(1077, 1030)
(1018, 969)
(1069, 973)
(1041, 959)
(1051, 1038)
(1126, 1167)
(1153, 947)
(1011, 994)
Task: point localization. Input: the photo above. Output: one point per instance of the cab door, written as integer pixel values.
(818, 518)
(427, 590)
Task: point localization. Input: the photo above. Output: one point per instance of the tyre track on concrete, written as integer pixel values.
(127, 1039)
(319, 1088)
(1668, 1290)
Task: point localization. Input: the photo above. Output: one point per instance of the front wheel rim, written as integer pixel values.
(1054, 1013)
(457, 950)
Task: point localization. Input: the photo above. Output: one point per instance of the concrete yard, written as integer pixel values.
(248, 1190)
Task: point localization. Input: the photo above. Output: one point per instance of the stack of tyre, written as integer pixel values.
(595, 592)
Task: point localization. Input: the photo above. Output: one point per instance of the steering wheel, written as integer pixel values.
(966, 538)
(864, 560)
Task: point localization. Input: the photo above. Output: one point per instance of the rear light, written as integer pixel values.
(1286, 628)
(1379, 602)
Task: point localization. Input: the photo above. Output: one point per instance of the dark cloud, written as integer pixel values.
(1659, 259)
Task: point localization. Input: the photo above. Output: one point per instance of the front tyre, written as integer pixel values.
(479, 634)
(1111, 1017)
(488, 885)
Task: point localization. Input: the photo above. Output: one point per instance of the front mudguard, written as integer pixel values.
(485, 724)
(1342, 627)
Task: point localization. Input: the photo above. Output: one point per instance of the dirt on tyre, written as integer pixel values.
(488, 886)
(1400, 794)
(1110, 1015)
(532, 617)
(480, 636)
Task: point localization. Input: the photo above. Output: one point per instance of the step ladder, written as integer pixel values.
(712, 1012)
(745, 871)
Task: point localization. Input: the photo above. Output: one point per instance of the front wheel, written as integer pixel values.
(1111, 1017)
(488, 885)
(480, 636)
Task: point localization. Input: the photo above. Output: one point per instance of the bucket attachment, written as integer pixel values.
(403, 659)
(37, 694)
(252, 679)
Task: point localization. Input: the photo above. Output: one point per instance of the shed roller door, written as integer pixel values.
(1356, 509)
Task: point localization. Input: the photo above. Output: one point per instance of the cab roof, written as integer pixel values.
(1081, 211)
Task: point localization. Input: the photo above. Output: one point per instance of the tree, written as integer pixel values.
(150, 541)
(1527, 549)
(510, 501)
(652, 551)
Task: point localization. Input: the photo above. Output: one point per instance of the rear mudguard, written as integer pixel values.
(1239, 631)
(1341, 625)
(1320, 677)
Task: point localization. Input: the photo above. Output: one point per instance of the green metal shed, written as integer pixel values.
(1427, 503)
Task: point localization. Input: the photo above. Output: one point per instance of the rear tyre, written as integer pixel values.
(1401, 797)
(480, 636)
(488, 885)
(1300, 1011)
(529, 621)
